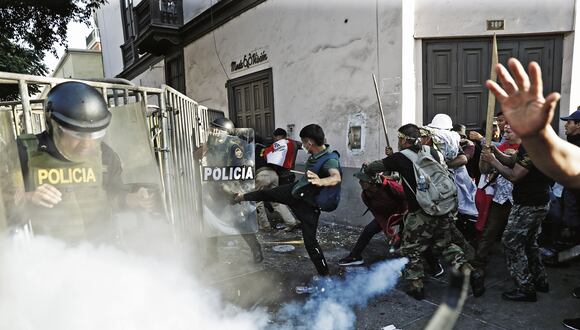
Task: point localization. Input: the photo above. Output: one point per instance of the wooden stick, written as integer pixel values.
(490, 95)
(381, 110)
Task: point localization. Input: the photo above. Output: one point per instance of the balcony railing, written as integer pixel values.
(158, 23)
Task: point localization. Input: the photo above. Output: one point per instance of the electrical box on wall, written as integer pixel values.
(355, 135)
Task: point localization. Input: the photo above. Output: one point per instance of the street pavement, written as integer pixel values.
(272, 285)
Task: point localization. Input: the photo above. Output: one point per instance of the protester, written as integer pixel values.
(422, 231)
(530, 114)
(309, 195)
(385, 199)
(571, 197)
(502, 200)
(281, 155)
(267, 176)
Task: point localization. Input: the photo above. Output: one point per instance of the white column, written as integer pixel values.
(408, 87)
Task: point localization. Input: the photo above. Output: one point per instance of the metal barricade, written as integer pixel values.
(177, 127)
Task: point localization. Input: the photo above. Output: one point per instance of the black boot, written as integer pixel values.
(477, 281)
(520, 295)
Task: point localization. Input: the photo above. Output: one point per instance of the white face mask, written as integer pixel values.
(305, 148)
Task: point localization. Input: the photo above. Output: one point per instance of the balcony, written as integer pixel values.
(130, 54)
(157, 25)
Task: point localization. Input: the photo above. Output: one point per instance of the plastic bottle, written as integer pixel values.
(422, 183)
(306, 289)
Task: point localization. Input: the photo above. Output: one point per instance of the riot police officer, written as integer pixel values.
(72, 178)
(225, 149)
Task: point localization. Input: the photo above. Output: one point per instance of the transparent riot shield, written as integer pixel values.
(11, 182)
(228, 168)
(128, 137)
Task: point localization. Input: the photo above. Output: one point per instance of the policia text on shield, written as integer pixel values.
(72, 178)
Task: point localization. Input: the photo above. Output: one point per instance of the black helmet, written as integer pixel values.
(77, 106)
(224, 123)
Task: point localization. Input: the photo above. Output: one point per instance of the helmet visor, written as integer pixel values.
(84, 135)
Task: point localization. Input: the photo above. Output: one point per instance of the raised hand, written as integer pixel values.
(522, 99)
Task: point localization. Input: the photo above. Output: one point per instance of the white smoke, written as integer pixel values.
(47, 285)
(332, 306)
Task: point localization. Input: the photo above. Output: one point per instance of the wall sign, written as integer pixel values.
(249, 60)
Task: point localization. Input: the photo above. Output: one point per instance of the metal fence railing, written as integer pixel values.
(177, 127)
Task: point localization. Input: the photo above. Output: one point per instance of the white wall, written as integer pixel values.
(111, 30)
(154, 76)
(321, 65)
(450, 18)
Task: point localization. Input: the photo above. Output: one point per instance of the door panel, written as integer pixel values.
(455, 72)
(250, 100)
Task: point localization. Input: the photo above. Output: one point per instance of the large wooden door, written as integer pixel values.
(455, 71)
(251, 102)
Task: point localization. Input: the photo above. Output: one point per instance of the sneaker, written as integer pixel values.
(436, 270)
(576, 293)
(572, 323)
(351, 261)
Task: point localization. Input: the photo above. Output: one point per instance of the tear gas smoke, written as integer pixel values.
(47, 285)
(332, 305)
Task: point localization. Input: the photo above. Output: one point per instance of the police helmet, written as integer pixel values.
(224, 124)
(77, 106)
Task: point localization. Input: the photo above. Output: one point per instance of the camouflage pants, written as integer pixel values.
(520, 241)
(458, 239)
(422, 232)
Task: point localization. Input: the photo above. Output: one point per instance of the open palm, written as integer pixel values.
(522, 100)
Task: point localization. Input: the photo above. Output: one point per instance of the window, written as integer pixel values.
(175, 73)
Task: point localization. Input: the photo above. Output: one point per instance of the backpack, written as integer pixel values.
(328, 198)
(436, 192)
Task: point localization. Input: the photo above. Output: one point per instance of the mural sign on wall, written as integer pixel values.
(249, 60)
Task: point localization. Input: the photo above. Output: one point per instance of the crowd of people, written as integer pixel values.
(448, 194)
(445, 195)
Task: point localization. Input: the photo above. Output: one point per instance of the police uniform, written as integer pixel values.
(228, 150)
(87, 188)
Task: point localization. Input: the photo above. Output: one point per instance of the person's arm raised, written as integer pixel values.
(529, 115)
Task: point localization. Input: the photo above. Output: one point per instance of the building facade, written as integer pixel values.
(281, 63)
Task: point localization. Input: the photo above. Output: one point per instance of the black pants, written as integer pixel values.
(306, 213)
(365, 237)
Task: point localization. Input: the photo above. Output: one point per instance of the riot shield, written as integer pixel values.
(11, 182)
(228, 168)
(128, 137)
